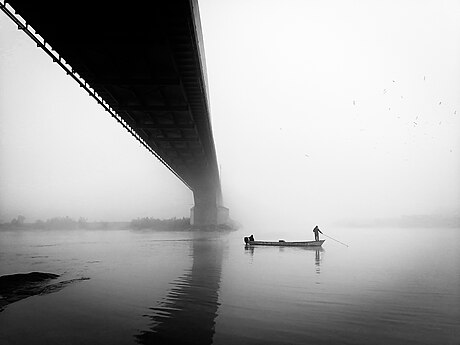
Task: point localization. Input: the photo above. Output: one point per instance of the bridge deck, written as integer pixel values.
(145, 60)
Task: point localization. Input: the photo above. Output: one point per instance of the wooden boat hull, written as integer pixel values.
(287, 244)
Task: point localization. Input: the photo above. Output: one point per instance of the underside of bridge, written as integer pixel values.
(144, 62)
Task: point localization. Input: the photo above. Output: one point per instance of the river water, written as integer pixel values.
(390, 286)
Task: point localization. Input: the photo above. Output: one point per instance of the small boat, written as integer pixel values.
(282, 243)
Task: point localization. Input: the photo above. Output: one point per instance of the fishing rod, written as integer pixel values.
(335, 240)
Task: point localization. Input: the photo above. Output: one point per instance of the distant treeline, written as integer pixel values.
(160, 224)
(145, 223)
(60, 223)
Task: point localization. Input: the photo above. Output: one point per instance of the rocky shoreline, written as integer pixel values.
(15, 287)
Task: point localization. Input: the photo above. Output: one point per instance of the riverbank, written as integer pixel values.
(18, 286)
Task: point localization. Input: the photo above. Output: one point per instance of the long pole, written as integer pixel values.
(335, 240)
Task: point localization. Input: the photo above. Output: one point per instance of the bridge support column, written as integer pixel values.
(207, 211)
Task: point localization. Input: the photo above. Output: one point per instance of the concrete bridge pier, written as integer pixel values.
(208, 210)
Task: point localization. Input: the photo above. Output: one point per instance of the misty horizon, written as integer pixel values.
(404, 221)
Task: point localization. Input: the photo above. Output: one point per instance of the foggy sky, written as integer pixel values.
(320, 110)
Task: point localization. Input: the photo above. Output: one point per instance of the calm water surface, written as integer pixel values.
(389, 287)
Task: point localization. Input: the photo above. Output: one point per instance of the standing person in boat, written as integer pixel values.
(316, 230)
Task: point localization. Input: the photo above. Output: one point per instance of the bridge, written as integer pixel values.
(144, 63)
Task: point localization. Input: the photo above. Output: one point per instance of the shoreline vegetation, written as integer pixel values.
(145, 223)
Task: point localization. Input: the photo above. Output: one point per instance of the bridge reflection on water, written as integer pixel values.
(187, 314)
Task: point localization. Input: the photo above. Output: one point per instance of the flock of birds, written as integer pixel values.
(415, 122)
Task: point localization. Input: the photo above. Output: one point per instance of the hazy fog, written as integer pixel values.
(321, 111)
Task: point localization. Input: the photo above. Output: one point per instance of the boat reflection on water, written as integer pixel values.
(187, 314)
(319, 252)
(318, 259)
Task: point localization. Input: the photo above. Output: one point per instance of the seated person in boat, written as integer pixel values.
(249, 239)
(316, 230)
